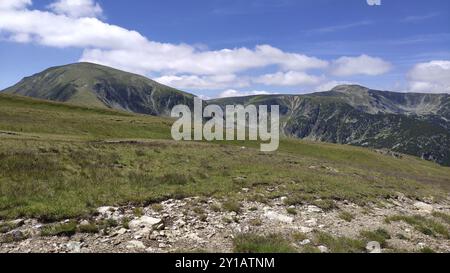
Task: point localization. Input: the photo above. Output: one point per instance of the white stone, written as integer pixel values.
(106, 210)
(84, 223)
(274, 216)
(373, 247)
(74, 247)
(18, 222)
(424, 207)
(135, 244)
(305, 229)
(312, 208)
(144, 222)
(312, 222)
(305, 242)
(122, 231)
(323, 249)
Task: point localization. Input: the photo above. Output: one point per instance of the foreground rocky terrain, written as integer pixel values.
(209, 225)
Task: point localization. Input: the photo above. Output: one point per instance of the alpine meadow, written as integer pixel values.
(241, 127)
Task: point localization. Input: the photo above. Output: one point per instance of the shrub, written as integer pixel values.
(380, 235)
(340, 244)
(89, 228)
(232, 205)
(291, 211)
(422, 224)
(66, 229)
(346, 216)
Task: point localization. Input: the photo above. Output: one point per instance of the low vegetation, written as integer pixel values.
(66, 229)
(422, 224)
(252, 243)
(346, 216)
(60, 161)
(380, 235)
(339, 244)
(443, 216)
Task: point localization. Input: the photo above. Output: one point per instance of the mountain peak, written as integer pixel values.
(94, 85)
(350, 88)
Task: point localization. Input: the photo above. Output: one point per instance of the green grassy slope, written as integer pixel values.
(94, 85)
(59, 161)
(415, 124)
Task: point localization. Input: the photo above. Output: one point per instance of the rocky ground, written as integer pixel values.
(200, 224)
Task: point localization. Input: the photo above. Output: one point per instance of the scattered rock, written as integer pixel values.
(84, 223)
(313, 209)
(312, 222)
(106, 211)
(373, 247)
(305, 229)
(18, 222)
(305, 242)
(122, 231)
(144, 222)
(135, 245)
(274, 216)
(323, 249)
(424, 207)
(74, 247)
(178, 228)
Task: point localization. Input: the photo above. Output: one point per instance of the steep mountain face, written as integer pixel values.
(416, 124)
(94, 85)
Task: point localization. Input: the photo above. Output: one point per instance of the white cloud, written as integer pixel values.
(362, 65)
(203, 82)
(430, 77)
(73, 23)
(159, 57)
(77, 8)
(235, 93)
(290, 78)
(126, 49)
(327, 86)
(14, 4)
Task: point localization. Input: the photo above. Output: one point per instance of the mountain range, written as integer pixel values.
(409, 123)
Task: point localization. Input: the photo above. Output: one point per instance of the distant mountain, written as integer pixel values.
(416, 124)
(93, 85)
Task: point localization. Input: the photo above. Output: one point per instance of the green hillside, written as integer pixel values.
(59, 161)
(415, 124)
(93, 85)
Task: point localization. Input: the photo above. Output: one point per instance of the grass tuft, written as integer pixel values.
(422, 224)
(66, 229)
(252, 243)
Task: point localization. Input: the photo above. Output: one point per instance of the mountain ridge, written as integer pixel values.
(410, 123)
(88, 84)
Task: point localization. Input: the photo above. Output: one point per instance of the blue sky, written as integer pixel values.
(236, 47)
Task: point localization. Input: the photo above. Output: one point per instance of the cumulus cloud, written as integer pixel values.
(75, 23)
(203, 82)
(235, 93)
(186, 59)
(430, 77)
(122, 48)
(290, 78)
(77, 8)
(362, 65)
(327, 86)
(14, 4)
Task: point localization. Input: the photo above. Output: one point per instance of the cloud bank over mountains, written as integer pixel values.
(79, 24)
